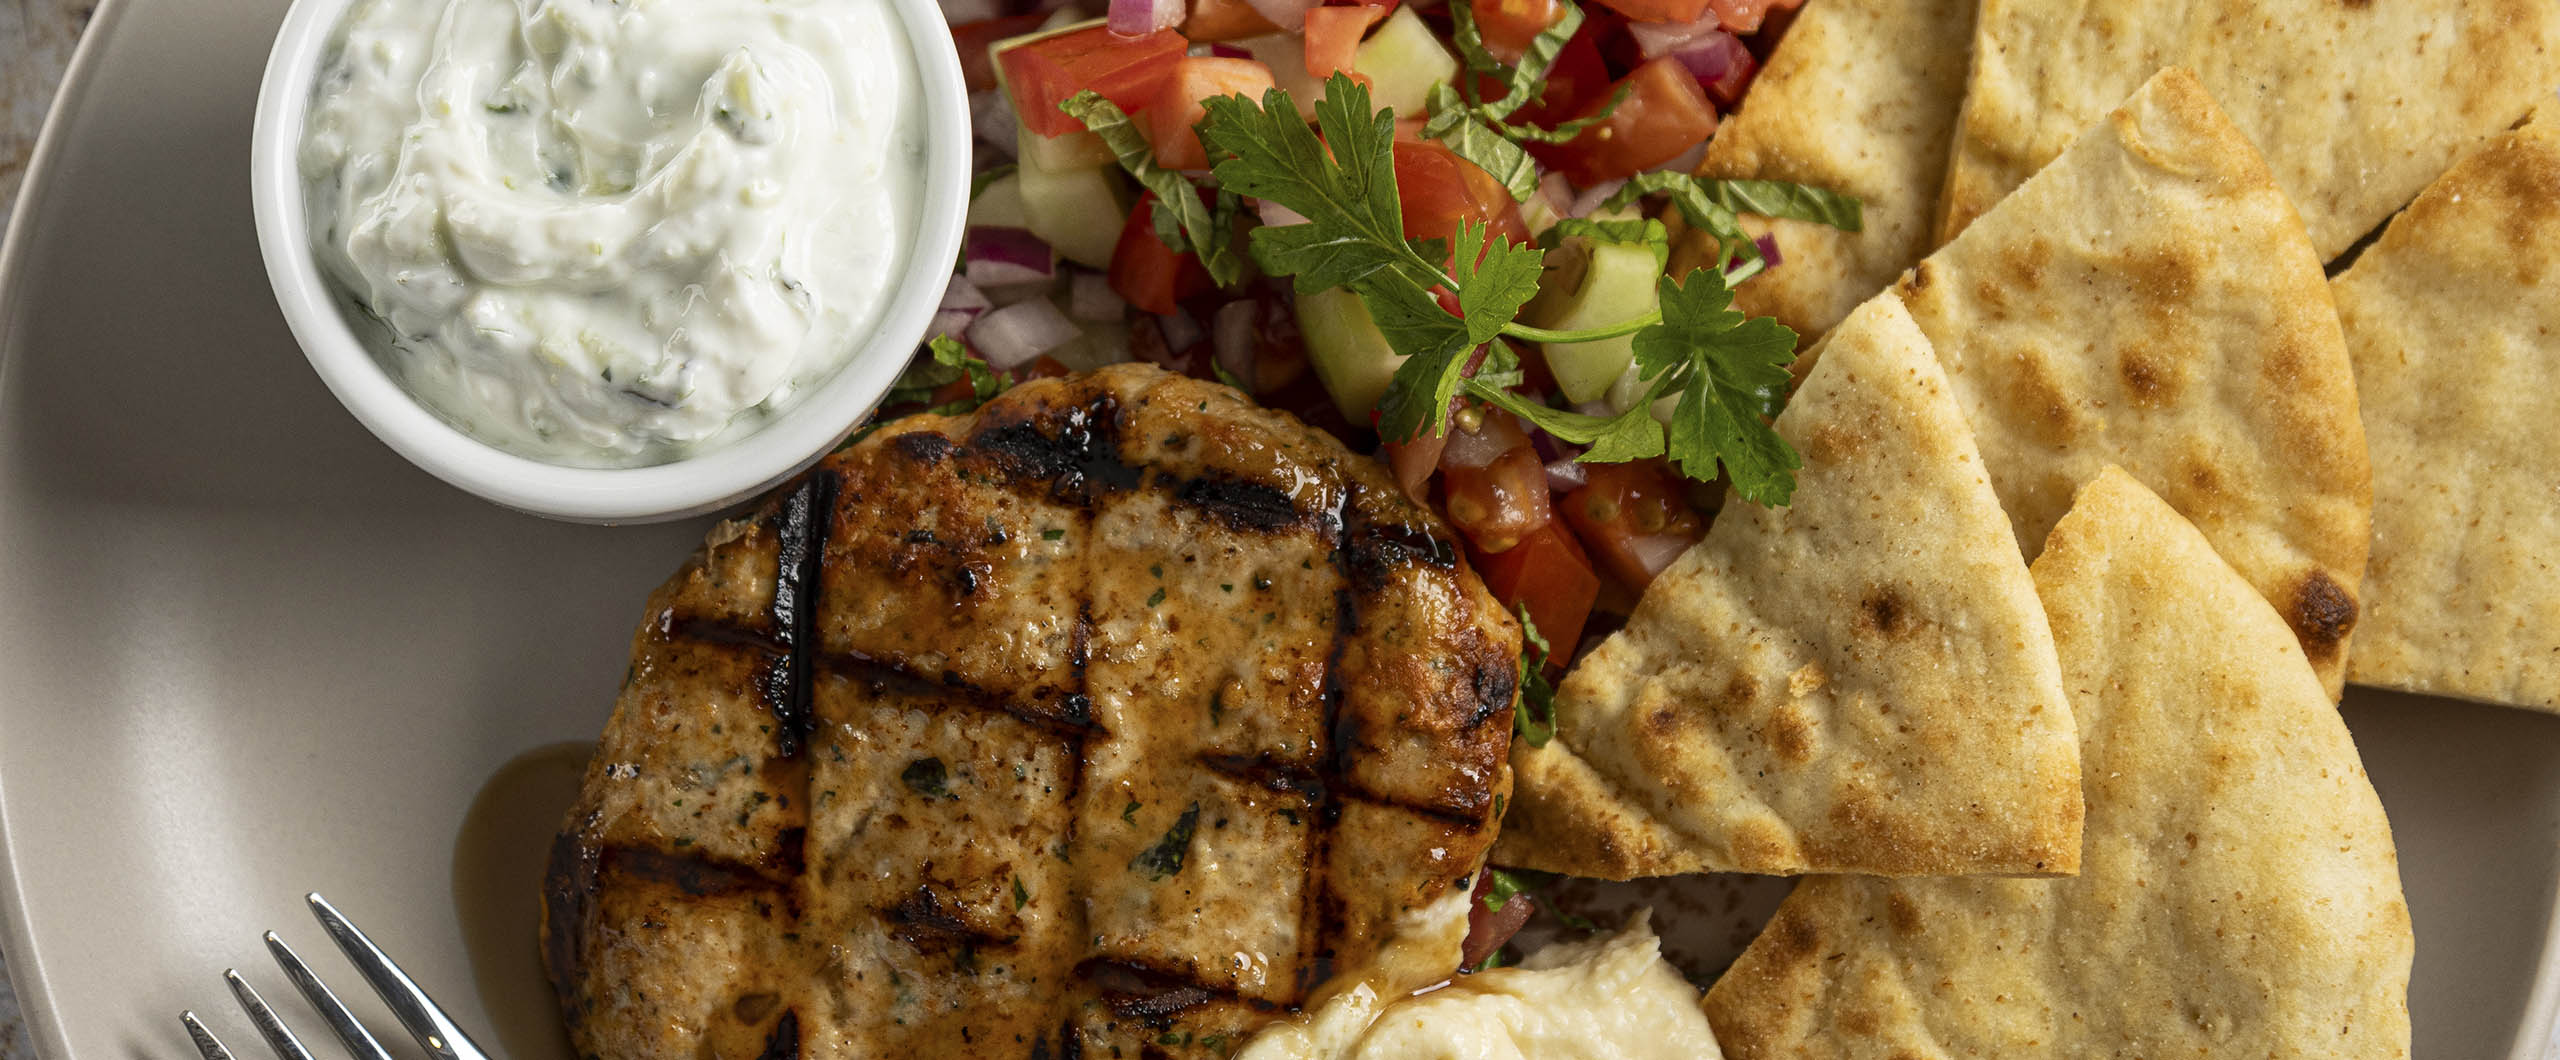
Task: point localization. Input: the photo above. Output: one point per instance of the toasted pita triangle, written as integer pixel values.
(2149, 300)
(1858, 682)
(2355, 104)
(2455, 329)
(1860, 97)
(2239, 896)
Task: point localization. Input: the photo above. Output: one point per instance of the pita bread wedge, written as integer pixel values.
(2149, 300)
(1858, 682)
(1861, 98)
(2455, 327)
(2355, 104)
(2239, 896)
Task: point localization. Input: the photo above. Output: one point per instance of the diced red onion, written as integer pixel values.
(991, 118)
(1180, 331)
(961, 296)
(1472, 449)
(1768, 244)
(957, 12)
(1232, 335)
(1653, 551)
(1722, 65)
(1286, 14)
(1552, 448)
(1595, 407)
(1566, 475)
(1222, 50)
(949, 322)
(1002, 257)
(1591, 198)
(1557, 192)
(1016, 334)
(1091, 299)
(1657, 39)
(1137, 18)
(1275, 214)
(1489, 928)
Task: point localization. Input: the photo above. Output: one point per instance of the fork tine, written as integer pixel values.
(435, 1031)
(278, 1038)
(206, 1043)
(359, 1040)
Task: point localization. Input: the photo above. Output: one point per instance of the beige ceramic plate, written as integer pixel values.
(246, 652)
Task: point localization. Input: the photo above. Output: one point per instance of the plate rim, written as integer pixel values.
(36, 1008)
(2537, 1037)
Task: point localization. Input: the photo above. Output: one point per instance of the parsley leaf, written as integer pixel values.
(1534, 717)
(1736, 376)
(1165, 857)
(949, 363)
(1200, 229)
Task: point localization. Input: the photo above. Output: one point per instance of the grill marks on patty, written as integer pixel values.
(1199, 703)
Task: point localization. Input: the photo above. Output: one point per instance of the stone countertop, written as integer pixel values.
(35, 43)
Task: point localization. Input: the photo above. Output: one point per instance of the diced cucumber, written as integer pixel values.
(1077, 211)
(1351, 357)
(999, 204)
(1402, 60)
(1075, 150)
(1286, 55)
(1591, 284)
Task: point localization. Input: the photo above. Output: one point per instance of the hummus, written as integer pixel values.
(1606, 998)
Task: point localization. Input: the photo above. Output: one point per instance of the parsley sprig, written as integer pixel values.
(1193, 226)
(1726, 374)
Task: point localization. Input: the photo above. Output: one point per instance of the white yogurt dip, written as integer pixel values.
(610, 233)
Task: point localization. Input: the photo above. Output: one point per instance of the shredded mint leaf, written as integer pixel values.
(1165, 857)
(1711, 206)
(1534, 718)
(1175, 194)
(1452, 123)
(1645, 232)
(1731, 375)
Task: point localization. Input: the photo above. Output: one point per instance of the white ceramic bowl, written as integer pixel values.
(703, 482)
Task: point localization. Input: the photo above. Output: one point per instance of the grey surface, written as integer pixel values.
(36, 37)
(247, 652)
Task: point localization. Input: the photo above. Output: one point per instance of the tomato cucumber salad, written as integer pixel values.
(1427, 227)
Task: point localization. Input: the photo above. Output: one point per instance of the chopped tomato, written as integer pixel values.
(1660, 10)
(1128, 71)
(1548, 572)
(1043, 367)
(1151, 275)
(1219, 21)
(1333, 37)
(1438, 190)
(1745, 16)
(1510, 26)
(1635, 517)
(1177, 108)
(974, 38)
(1493, 486)
(1664, 115)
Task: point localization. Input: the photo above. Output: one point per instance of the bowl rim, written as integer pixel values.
(699, 483)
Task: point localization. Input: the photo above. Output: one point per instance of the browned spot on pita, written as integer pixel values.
(2321, 614)
(1662, 722)
(1791, 735)
(1760, 842)
(1914, 281)
(1832, 443)
(1789, 939)
(2162, 277)
(1860, 1022)
(2047, 406)
(2152, 380)
(1884, 612)
(1904, 913)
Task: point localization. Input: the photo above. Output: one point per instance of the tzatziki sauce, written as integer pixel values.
(612, 233)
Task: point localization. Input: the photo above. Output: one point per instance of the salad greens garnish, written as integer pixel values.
(1726, 373)
(1195, 226)
(1534, 716)
(948, 363)
(1477, 129)
(1712, 206)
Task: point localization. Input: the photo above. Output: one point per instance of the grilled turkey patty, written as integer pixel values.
(1108, 721)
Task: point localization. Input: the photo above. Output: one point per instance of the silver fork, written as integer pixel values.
(425, 1020)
